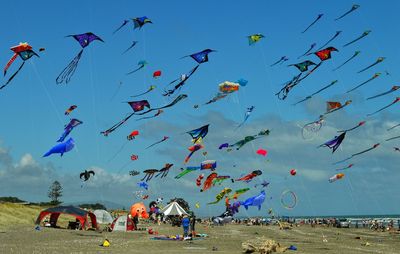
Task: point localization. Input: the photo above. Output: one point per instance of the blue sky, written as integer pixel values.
(32, 106)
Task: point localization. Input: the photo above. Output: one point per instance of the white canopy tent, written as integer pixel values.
(173, 209)
(103, 217)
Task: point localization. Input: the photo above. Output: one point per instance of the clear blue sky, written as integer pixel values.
(32, 106)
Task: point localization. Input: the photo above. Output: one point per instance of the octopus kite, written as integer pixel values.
(84, 40)
(149, 173)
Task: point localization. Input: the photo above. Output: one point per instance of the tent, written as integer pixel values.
(79, 214)
(123, 223)
(102, 216)
(173, 209)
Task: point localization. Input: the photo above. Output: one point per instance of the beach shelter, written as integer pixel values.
(123, 223)
(102, 216)
(78, 213)
(173, 208)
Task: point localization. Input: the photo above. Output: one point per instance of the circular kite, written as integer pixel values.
(288, 199)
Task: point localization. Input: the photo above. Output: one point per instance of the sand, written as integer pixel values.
(17, 235)
(228, 239)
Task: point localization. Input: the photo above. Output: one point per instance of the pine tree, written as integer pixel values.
(55, 192)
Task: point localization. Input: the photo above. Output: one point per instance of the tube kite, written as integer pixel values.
(348, 60)
(393, 89)
(379, 60)
(391, 104)
(365, 82)
(331, 39)
(365, 33)
(353, 8)
(315, 21)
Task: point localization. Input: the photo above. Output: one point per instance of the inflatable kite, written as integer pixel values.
(61, 148)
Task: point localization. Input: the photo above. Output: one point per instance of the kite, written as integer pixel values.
(393, 89)
(247, 178)
(221, 195)
(355, 127)
(199, 179)
(353, 155)
(140, 22)
(165, 170)
(70, 109)
(312, 127)
(353, 8)
(336, 177)
(365, 33)
(143, 185)
(86, 175)
(224, 145)
(186, 171)
(158, 142)
(347, 167)
(228, 87)
(121, 26)
(134, 157)
(132, 135)
(151, 88)
(182, 79)
(239, 144)
(365, 82)
(148, 174)
(394, 126)
(312, 46)
(262, 152)
(283, 198)
(139, 106)
(61, 148)
(325, 54)
(320, 90)
(68, 128)
(379, 60)
(238, 193)
(201, 57)
(332, 106)
(208, 164)
(41, 49)
(134, 173)
(315, 21)
(254, 38)
(348, 60)
(379, 110)
(156, 74)
(217, 97)
(264, 184)
(335, 142)
(242, 82)
(392, 138)
(208, 182)
(220, 179)
(141, 65)
(331, 39)
(159, 111)
(136, 106)
(25, 52)
(254, 201)
(303, 66)
(199, 133)
(192, 150)
(396, 149)
(130, 47)
(84, 40)
(246, 116)
(293, 172)
(280, 61)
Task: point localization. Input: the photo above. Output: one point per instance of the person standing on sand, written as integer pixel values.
(192, 225)
(185, 225)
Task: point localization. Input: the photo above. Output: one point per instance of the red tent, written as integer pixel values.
(79, 214)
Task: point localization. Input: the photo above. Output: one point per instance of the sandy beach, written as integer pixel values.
(227, 239)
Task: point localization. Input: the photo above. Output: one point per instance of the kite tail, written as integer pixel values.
(69, 71)
(12, 59)
(141, 93)
(334, 37)
(158, 142)
(353, 41)
(382, 108)
(366, 68)
(188, 157)
(135, 70)
(12, 76)
(381, 94)
(115, 126)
